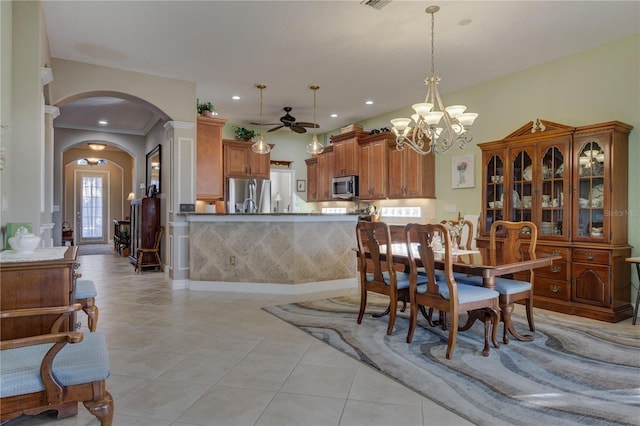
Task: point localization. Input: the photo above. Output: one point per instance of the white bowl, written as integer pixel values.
(24, 243)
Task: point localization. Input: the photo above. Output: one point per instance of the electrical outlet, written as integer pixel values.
(232, 260)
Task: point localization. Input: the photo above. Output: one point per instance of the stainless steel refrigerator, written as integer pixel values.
(247, 195)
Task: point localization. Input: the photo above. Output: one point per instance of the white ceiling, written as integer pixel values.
(352, 51)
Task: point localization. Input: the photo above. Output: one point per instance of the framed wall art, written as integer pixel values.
(301, 185)
(462, 173)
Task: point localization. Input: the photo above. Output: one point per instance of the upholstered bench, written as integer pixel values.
(54, 371)
(86, 296)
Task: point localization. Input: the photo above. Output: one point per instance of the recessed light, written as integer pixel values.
(334, 115)
(369, 102)
(103, 122)
(235, 97)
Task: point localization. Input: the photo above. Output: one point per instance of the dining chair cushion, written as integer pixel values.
(402, 279)
(503, 285)
(77, 363)
(85, 289)
(466, 293)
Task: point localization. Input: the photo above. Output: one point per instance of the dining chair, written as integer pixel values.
(444, 293)
(154, 252)
(519, 238)
(378, 273)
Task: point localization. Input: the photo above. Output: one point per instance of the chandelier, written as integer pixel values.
(425, 137)
(260, 146)
(314, 146)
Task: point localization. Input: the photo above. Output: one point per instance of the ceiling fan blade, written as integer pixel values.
(298, 129)
(266, 124)
(306, 124)
(275, 128)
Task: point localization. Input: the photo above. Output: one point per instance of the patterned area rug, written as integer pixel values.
(571, 373)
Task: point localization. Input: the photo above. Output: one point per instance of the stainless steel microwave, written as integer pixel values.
(344, 187)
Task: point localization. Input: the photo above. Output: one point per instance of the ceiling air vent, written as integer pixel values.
(376, 4)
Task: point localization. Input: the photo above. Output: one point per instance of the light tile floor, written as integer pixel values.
(182, 357)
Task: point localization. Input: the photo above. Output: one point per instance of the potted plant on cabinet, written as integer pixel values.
(205, 109)
(243, 134)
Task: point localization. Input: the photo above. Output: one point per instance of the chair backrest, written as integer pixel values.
(371, 236)
(420, 237)
(466, 236)
(475, 220)
(517, 234)
(159, 232)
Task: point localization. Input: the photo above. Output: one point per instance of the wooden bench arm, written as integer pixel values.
(64, 312)
(68, 337)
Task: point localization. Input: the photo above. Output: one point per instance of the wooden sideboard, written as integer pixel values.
(33, 285)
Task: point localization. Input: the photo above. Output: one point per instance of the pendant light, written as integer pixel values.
(314, 146)
(261, 147)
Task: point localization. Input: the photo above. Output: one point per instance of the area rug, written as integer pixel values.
(572, 373)
(89, 249)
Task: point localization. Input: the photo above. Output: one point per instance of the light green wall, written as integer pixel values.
(594, 86)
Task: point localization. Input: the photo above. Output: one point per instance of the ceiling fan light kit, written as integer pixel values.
(425, 130)
(314, 146)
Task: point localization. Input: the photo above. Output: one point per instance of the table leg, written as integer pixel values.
(635, 312)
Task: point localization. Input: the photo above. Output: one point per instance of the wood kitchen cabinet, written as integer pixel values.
(145, 219)
(573, 184)
(325, 174)
(411, 175)
(312, 179)
(209, 172)
(346, 154)
(374, 159)
(37, 284)
(241, 162)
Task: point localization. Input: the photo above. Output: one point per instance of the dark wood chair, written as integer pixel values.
(445, 294)
(152, 252)
(378, 273)
(519, 238)
(54, 371)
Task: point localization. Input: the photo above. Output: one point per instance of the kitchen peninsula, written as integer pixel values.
(271, 252)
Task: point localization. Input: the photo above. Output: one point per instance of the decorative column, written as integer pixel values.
(181, 181)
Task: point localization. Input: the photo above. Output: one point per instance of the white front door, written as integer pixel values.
(91, 190)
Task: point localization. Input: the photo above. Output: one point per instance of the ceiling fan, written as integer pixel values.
(289, 121)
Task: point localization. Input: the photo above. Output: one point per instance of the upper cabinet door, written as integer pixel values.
(493, 188)
(592, 189)
(523, 176)
(553, 206)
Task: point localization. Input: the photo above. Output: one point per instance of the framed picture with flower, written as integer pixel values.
(462, 174)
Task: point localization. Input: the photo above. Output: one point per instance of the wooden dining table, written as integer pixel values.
(483, 262)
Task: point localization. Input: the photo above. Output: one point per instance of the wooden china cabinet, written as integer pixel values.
(572, 183)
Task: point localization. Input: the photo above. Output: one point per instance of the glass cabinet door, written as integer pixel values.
(494, 191)
(553, 193)
(522, 179)
(591, 194)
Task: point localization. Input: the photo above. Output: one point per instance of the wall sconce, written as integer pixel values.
(131, 197)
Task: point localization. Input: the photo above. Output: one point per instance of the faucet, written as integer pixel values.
(246, 206)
